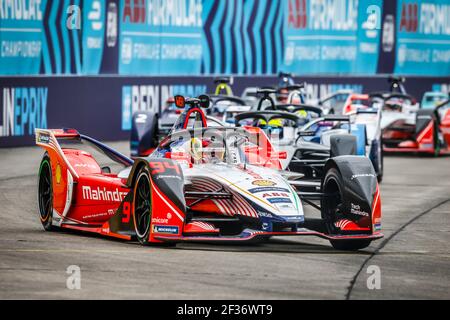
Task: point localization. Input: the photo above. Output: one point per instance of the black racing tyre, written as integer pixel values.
(380, 173)
(437, 143)
(45, 193)
(331, 210)
(142, 206)
(378, 164)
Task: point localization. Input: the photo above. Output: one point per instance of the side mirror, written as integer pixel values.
(180, 101)
(204, 101)
(106, 170)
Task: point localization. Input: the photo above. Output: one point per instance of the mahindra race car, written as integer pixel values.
(429, 133)
(202, 184)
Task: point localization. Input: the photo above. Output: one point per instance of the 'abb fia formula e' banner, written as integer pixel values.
(332, 36)
(242, 37)
(423, 37)
(160, 37)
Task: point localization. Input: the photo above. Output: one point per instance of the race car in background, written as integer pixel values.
(357, 118)
(361, 111)
(202, 184)
(286, 90)
(148, 127)
(429, 132)
(308, 138)
(334, 103)
(431, 99)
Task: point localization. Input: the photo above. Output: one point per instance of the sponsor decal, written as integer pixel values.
(266, 226)
(58, 174)
(160, 220)
(275, 195)
(356, 209)
(165, 229)
(253, 174)
(85, 165)
(95, 215)
(102, 194)
(43, 138)
(263, 183)
(165, 177)
(264, 214)
(268, 189)
(23, 110)
(279, 200)
(293, 218)
(363, 175)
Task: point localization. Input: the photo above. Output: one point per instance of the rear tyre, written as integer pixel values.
(45, 193)
(378, 160)
(437, 142)
(142, 206)
(331, 211)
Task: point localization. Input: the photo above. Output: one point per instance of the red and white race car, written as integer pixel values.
(429, 133)
(202, 184)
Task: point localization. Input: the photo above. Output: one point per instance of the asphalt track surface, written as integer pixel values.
(413, 257)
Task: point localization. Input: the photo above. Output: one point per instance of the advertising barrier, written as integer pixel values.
(103, 106)
(242, 37)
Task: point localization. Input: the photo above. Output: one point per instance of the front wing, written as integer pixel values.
(249, 235)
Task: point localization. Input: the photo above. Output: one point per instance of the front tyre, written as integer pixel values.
(45, 193)
(142, 204)
(333, 187)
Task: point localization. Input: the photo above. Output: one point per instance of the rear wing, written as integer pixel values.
(47, 139)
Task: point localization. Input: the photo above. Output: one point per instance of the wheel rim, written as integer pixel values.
(142, 206)
(45, 192)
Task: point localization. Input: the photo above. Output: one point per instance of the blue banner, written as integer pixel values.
(93, 35)
(21, 36)
(160, 37)
(241, 37)
(423, 37)
(331, 36)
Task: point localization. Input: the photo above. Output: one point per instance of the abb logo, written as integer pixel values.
(134, 11)
(297, 14)
(410, 17)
